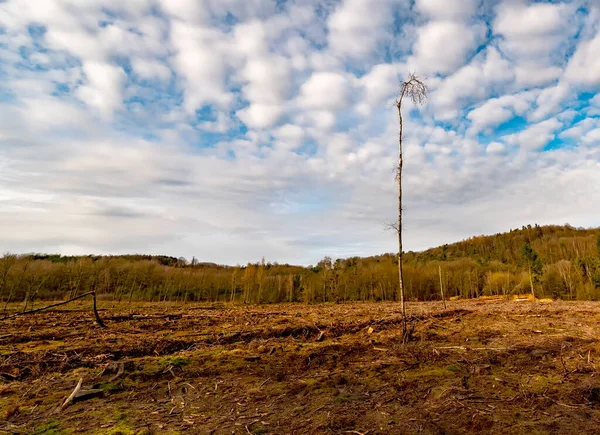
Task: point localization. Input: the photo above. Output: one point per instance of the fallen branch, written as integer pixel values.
(562, 360)
(566, 405)
(264, 382)
(120, 372)
(72, 395)
(88, 394)
(37, 310)
(496, 349)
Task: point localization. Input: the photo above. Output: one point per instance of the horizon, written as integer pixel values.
(239, 130)
(307, 265)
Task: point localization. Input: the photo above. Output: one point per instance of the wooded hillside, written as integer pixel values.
(556, 261)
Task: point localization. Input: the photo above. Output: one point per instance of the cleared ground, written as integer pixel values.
(477, 367)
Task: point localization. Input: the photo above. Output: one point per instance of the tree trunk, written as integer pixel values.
(531, 282)
(232, 287)
(471, 293)
(442, 286)
(399, 175)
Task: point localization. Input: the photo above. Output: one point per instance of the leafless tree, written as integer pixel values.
(416, 90)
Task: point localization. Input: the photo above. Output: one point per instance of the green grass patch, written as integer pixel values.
(175, 361)
(50, 427)
(342, 398)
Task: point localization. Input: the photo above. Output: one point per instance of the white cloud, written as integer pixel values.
(533, 32)
(584, 66)
(550, 99)
(325, 90)
(497, 110)
(357, 26)
(496, 148)
(517, 19)
(103, 88)
(268, 82)
(268, 79)
(491, 113)
(187, 10)
(447, 9)
(592, 137)
(50, 113)
(535, 136)
(434, 54)
(580, 129)
(474, 81)
(289, 136)
(149, 69)
(594, 108)
(200, 58)
(531, 75)
(259, 115)
(379, 85)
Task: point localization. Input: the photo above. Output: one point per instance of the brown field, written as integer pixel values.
(489, 367)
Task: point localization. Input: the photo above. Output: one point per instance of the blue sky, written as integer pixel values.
(230, 130)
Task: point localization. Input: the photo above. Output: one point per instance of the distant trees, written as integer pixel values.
(565, 269)
(564, 262)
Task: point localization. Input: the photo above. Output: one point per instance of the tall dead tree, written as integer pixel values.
(415, 89)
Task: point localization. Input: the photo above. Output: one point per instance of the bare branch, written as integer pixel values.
(391, 226)
(415, 88)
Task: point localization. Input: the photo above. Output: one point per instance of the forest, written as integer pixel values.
(550, 261)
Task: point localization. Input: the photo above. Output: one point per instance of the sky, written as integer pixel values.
(232, 130)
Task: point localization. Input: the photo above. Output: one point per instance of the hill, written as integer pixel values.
(552, 261)
(552, 242)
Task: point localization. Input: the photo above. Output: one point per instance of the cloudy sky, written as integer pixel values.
(236, 129)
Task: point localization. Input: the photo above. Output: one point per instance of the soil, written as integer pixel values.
(480, 366)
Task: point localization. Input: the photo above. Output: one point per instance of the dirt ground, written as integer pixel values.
(489, 367)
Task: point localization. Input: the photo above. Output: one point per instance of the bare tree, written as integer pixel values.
(414, 88)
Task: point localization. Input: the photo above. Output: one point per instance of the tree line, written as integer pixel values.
(552, 261)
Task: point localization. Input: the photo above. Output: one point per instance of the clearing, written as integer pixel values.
(491, 367)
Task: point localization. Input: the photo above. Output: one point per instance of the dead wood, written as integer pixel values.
(72, 395)
(88, 394)
(37, 310)
(120, 372)
(8, 376)
(496, 349)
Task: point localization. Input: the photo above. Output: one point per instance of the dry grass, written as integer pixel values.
(484, 366)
